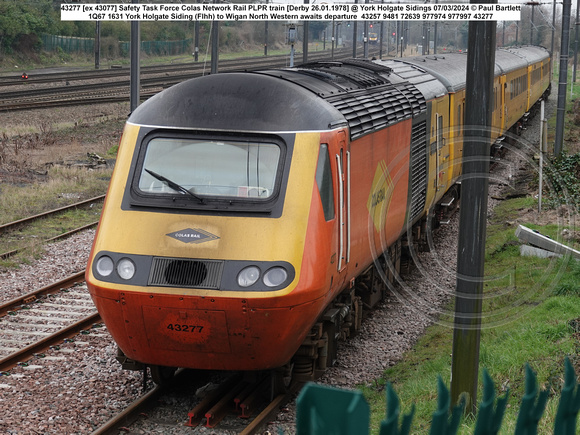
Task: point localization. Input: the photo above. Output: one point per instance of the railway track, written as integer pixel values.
(124, 70)
(153, 395)
(118, 90)
(239, 399)
(247, 403)
(27, 220)
(37, 321)
(11, 226)
(32, 323)
(121, 71)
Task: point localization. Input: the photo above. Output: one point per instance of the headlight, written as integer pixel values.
(275, 276)
(126, 268)
(105, 266)
(248, 276)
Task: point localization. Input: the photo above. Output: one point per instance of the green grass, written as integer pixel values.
(530, 311)
(28, 239)
(65, 186)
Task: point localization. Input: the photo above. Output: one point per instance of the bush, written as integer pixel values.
(563, 175)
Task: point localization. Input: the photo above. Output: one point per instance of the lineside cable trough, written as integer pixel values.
(542, 246)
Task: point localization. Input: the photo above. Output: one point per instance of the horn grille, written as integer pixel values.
(185, 272)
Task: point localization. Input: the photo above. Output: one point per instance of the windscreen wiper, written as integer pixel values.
(174, 185)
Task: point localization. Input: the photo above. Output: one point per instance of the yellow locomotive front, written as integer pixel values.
(200, 259)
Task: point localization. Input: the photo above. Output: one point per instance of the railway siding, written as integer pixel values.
(94, 376)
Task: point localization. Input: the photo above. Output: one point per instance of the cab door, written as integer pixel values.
(440, 142)
(343, 176)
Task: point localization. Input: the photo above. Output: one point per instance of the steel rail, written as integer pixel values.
(19, 98)
(120, 71)
(28, 352)
(196, 71)
(9, 254)
(262, 418)
(26, 220)
(131, 413)
(64, 103)
(216, 405)
(67, 282)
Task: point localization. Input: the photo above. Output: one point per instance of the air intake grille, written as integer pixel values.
(418, 168)
(184, 272)
(376, 108)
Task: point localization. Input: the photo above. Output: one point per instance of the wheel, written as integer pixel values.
(162, 375)
(281, 379)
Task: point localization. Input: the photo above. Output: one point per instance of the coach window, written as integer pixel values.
(440, 138)
(324, 182)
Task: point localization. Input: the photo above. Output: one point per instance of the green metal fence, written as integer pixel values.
(323, 410)
(68, 44)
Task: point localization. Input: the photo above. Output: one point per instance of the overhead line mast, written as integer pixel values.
(473, 211)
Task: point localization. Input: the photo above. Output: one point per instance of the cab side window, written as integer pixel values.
(324, 182)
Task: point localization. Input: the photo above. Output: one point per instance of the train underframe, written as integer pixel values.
(498, 149)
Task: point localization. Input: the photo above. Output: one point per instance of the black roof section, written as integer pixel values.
(237, 101)
(364, 92)
(312, 97)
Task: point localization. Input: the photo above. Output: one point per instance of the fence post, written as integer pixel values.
(531, 410)
(323, 410)
(569, 405)
(488, 419)
(441, 423)
(390, 426)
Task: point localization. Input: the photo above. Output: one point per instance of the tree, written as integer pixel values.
(19, 19)
(316, 28)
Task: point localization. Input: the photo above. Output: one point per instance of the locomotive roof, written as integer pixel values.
(237, 101)
(312, 97)
(430, 86)
(366, 93)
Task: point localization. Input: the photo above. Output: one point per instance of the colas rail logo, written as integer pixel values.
(380, 196)
(190, 235)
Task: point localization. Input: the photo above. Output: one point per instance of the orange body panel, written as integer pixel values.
(378, 161)
(204, 333)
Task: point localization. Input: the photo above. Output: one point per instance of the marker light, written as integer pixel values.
(275, 276)
(248, 276)
(126, 268)
(105, 266)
